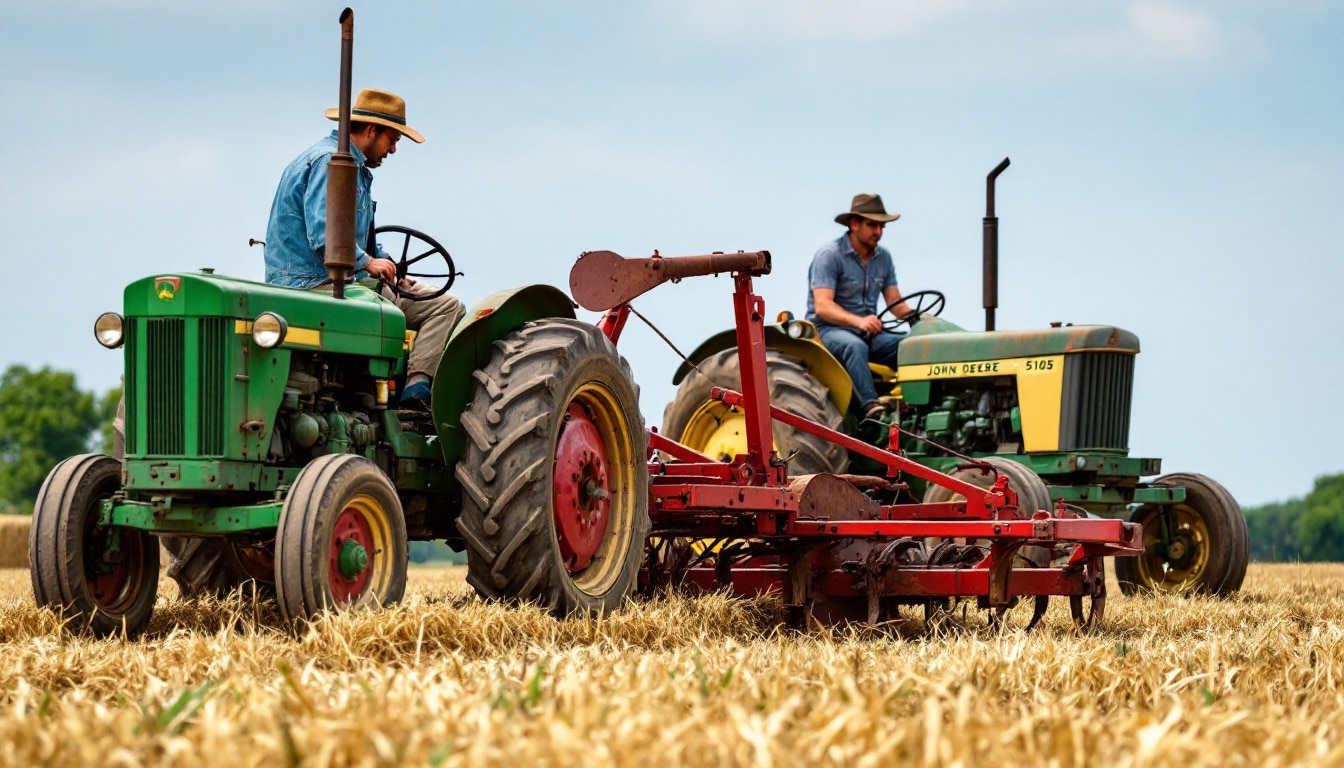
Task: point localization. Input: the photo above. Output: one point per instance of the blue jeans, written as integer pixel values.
(854, 351)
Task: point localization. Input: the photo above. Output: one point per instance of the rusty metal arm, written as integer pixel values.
(601, 280)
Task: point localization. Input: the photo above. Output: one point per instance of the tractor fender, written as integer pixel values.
(472, 344)
(822, 364)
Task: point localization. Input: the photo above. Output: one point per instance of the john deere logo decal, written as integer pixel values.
(166, 287)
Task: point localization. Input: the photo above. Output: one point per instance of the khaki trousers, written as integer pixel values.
(433, 321)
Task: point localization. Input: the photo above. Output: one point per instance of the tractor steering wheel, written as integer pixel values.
(935, 302)
(406, 260)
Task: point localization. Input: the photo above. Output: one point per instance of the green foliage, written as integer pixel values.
(44, 419)
(1310, 528)
(1320, 531)
(434, 552)
(107, 413)
(1273, 531)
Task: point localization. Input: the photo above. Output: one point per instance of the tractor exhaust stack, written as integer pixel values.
(991, 252)
(339, 256)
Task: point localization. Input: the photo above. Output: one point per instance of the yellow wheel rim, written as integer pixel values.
(618, 444)
(1182, 570)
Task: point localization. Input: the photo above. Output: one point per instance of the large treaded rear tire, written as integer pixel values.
(211, 565)
(72, 568)
(524, 521)
(1210, 513)
(1032, 494)
(792, 388)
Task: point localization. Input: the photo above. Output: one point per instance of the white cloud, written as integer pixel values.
(1152, 31)
(806, 19)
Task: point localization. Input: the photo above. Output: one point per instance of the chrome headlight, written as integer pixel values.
(269, 330)
(108, 330)
(800, 329)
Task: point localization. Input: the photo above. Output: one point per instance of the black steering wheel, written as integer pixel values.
(406, 260)
(921, 303)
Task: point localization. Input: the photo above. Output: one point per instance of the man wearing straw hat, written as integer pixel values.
(845, 280)
(296, 234)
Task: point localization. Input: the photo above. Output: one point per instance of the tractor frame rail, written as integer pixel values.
(831, 551)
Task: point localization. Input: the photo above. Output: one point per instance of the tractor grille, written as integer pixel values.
(1094, 413)
(159, 397)
(210, 437)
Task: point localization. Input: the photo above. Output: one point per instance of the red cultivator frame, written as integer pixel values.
(830, 550)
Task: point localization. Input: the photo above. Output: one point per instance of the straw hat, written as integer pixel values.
(869, 207)
(382, 108)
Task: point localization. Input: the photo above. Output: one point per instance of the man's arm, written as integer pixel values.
(315, 212)
(823, 302)
(892, 295)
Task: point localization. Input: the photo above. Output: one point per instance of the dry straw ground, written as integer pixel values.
(447, 680)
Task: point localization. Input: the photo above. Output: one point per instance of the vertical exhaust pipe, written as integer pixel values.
(339, 256)
(991, 247)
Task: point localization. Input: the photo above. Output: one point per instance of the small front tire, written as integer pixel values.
(104, 576)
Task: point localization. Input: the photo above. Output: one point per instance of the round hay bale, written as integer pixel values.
(14, 540)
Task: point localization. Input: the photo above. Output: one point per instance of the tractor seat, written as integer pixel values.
(882, 372)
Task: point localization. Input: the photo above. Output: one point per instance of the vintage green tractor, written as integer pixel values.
(1049, 407)
(263, 442)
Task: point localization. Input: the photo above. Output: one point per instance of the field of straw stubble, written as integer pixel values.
(448, 680)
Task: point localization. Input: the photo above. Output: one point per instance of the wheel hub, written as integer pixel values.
(581, 494)
(352, 559)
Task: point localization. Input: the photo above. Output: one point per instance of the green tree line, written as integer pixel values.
(1310, 528)
(44, 419)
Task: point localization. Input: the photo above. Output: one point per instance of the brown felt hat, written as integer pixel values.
(869, 207)
(382, 108)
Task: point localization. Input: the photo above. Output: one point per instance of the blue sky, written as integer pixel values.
(1177, 170)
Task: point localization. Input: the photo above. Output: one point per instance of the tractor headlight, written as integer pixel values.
(800, 329)
(107, 329)
(268, 330)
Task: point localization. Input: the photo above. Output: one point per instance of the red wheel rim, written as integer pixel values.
(582, 490)
(351, 526)
(113, 586)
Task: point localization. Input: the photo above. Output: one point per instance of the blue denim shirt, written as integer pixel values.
(858, 287)
(297, 232)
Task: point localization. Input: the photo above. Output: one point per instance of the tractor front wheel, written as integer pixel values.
(1199, 545)
(341, 542)
(555, 482)
(105, 577)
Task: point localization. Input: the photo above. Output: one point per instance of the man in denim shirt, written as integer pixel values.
(845, 281)
(296, 235)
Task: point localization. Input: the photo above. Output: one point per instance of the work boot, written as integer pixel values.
(415, 396)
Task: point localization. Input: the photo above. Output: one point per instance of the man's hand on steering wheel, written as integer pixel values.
(925, 303)
(383, 269)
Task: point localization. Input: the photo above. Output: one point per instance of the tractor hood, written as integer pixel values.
(363, 323)
(933, 342)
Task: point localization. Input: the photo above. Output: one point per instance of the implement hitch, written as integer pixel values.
(836, 548)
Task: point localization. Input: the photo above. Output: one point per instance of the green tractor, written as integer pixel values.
(1048, 407)
(263, 443)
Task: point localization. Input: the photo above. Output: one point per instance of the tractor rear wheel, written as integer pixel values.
(1207, 545)
(210, 565)
(555, 480)
(341, 541)
(104, 576)
(713, 428)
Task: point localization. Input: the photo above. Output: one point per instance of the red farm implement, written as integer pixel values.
(838, 548)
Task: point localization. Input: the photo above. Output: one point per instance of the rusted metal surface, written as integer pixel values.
(339, 254)
(991, 246)
(600, 280)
